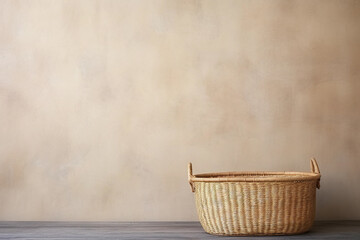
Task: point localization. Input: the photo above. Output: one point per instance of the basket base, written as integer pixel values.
(258, 234)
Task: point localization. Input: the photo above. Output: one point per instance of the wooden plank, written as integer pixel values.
(154, 230)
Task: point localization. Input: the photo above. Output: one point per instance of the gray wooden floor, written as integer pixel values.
(155, 230)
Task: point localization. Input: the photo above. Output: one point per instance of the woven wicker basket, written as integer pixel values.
(256, 203)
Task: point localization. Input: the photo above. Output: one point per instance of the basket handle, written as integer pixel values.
(190, 176)
(315, 169)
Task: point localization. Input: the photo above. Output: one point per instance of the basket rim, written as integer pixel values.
(255, 176)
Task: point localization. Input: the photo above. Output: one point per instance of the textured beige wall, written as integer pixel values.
(103, 103)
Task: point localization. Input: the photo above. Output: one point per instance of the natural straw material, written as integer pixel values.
(256, 203)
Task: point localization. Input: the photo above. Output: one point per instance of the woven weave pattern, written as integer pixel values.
(256, 208)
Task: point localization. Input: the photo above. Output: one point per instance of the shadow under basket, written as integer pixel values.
(256, 203)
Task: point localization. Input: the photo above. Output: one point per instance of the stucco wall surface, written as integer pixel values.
(103, 103)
